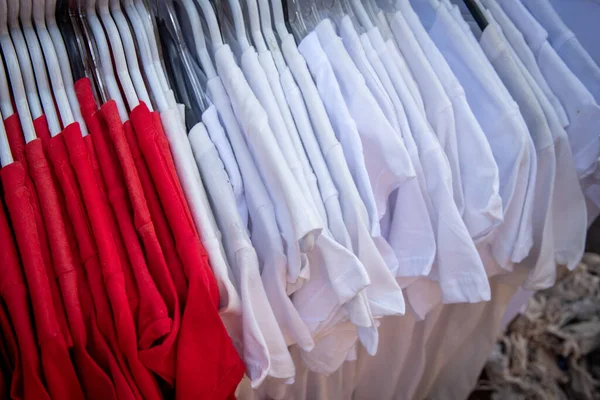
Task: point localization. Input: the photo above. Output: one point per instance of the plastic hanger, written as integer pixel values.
(54, 67)
(105, 58)
(279, 19)
(147, 21)
(267, 30)
(130, 52)
(199, 41)
(238, 23)
(255, 30)
(116, 48)
(39, 66)
(35, 107)
(57, 60)
(167, 12)
(361, 14)
(6, 108)
(152, 75)
(211, 21)
(14, 73)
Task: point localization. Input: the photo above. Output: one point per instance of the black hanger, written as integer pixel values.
(63, 20)
(477, 14)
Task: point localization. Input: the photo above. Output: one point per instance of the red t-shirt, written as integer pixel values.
(153, 319)
(93, 292)
(106, 126)
(57, 368)
(99, 215)
(94, 381)
(208, 366)
(17, 146)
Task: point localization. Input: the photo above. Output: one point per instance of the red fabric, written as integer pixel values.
(17, 146)
(133, 296)
(11, 348)
(95, 382)
(7, 361)
(160, 358)
(153, 318)
(208, 365)
(163, 231)
(99, 214)
(56, 364)
(93, 292)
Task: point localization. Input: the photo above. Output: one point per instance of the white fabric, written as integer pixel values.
(194, 192)
(408, 229)
(265, 233)
(501, 122)
(483, 205)
(354, 47)
(297, 220)
(566, 44)
(264, 351)
(541, 257)
(517, 42)
(399, 61)
(439, 109)
(582, 110)
(344, 126)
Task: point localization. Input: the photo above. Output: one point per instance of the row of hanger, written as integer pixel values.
(49, 46)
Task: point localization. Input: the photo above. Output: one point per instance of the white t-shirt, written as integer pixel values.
(354, 47)
(407, 225)
(517, 42)
(308, 180)
(265, 233)
(483, 205)
(264, 351)
(581, 108)
(566, 44)
(438, 106)
(501, 122)
(344, 126)
(541, 257)
(298, 221)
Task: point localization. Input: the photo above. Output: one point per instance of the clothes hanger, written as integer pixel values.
(39, 66)
(6, 108)
(105, 60)
(116, 49)
(130, 52)
(87, 50)
(213, 24)
(148, 23)
(269, 35)
(144, 50)
(169, 17)
(35, 106)
(254, 23)
(477, 14)
(53, 46)
(279, 19)
(54, 67)
(361, 13)
(199, 40)
(238, 23)
(14, 73)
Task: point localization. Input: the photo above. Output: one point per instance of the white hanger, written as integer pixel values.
(255, 30)
(54, 48)
(130, 52)
(54, 68)
(105, 58)
(210, 17)
(267, 29)
(24, 61)
(6, 109)
(146, 19)
(199, 41)
(118, 54)
(39, 66)
(14, 72)
(362, 14)
(238, 24)
(279, 19)
(154, 81)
